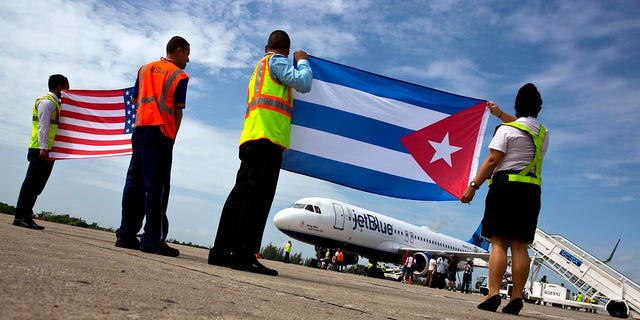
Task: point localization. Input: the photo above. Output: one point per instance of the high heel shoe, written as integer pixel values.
(513, 307)
(491, 304)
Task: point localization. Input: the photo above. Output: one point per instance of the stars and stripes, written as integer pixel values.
(94, 123)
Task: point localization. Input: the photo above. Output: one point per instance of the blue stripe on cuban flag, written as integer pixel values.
(347, 130)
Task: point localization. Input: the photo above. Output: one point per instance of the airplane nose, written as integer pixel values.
(280, 219)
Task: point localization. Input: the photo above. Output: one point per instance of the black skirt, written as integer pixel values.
(511, 210)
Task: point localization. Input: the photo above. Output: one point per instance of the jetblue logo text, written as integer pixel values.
(370, 222)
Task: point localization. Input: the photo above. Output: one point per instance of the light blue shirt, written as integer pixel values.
(283, 71)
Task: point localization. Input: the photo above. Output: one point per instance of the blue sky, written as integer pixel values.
(582, 55)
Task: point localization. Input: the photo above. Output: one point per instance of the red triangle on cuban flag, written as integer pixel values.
(445, 150)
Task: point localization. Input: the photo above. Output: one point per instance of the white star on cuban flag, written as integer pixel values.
(443, 150)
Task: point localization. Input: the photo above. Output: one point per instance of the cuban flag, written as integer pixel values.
(385, 136)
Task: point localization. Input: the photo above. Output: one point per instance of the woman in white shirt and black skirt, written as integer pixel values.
(513, 168)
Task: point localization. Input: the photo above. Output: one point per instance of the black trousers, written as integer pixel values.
(246, 210)
(34, 182)
(466, 282)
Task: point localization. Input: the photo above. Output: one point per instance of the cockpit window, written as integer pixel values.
(308, 207)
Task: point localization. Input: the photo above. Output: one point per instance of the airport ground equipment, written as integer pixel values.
(482, 286)
(619, 294)
(558, 295)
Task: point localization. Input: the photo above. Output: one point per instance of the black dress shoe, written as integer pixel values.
(128, 242)
(27, 223)
(491, 304)
(162, 249)
(513, 307)
(251, 264)
(219, 258)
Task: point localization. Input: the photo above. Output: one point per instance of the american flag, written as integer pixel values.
(94, 123)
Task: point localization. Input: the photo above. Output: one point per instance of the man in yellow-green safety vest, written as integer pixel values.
(287, 251)
(264, 137)
(45, 116)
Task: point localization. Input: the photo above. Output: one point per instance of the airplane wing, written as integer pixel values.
(461, 255)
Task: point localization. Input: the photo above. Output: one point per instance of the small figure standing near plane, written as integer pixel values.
(409, 266)
(287, 251)
(466, 276)
(452, 272)
(338, 260)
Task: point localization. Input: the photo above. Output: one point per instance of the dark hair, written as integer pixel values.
(56, 80)
(278, 40)
(175, 43)
(528, 101)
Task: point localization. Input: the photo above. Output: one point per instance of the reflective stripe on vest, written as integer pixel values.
(269, 107)
(157, 82)
(537, 159)
(34, 143)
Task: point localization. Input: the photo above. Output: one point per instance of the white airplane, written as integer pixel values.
(328, 223)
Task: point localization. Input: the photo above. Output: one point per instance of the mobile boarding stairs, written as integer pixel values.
(619, 295)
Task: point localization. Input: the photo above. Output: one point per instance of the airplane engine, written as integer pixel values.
(421, 260)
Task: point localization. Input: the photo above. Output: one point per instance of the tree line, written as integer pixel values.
(57, 218)
(276, 253)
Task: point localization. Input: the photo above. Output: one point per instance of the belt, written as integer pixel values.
(503, 176)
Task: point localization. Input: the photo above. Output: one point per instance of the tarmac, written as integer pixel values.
(66, 272)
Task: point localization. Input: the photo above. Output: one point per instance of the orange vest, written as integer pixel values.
(157, 82)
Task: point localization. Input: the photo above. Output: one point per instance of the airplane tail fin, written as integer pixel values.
(478, 240)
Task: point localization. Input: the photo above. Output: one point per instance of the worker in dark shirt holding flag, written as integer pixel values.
(46, 113)
(160, 95)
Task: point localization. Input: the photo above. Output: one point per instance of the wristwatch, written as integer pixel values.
(474, 185)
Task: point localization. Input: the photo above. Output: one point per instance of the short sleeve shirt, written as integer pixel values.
(517, 145)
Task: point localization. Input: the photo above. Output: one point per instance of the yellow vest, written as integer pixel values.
(269, 107)
(537, 159)
(53, 124)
